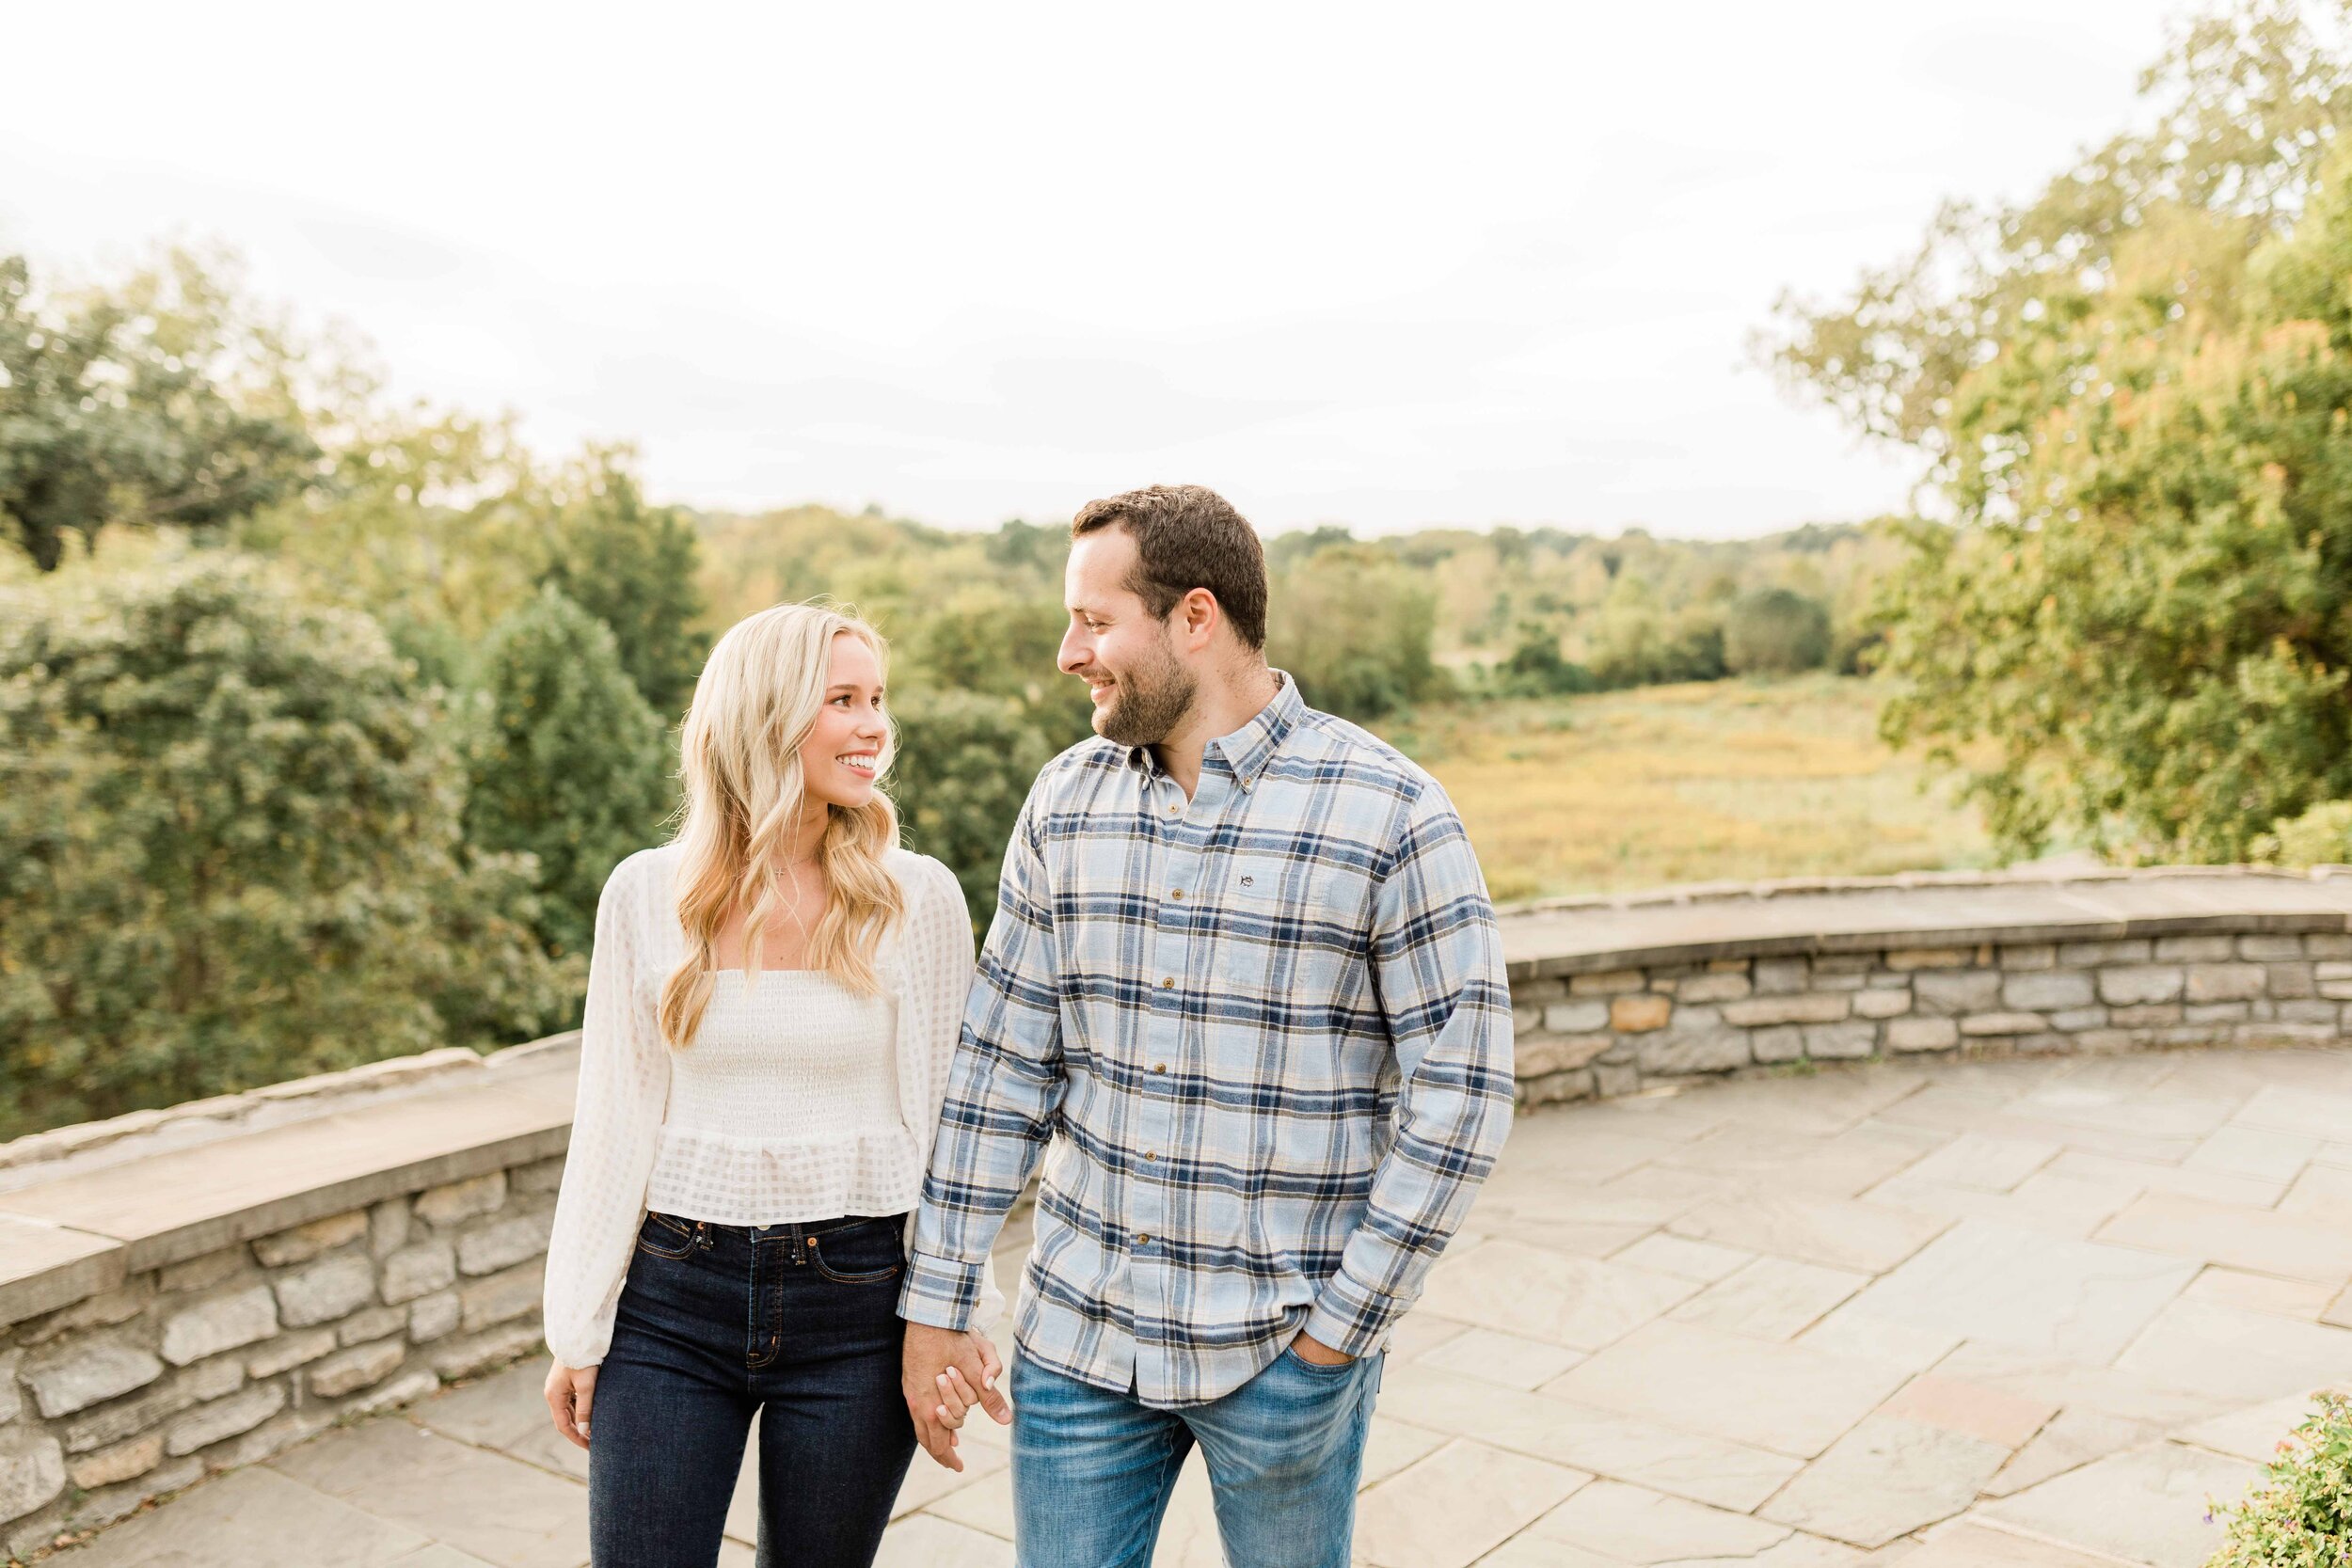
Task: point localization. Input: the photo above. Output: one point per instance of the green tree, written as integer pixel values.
(161, 403)
(2243, 102)
(230, 851)
(569, 764)
(1775, 631)
(986, 640)
(429, 520)
(964, 764)
(636, 568)
(1638, 641)
(1356, 630)
(2149, 638)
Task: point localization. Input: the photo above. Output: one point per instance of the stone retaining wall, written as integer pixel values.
(1624, 1011)
(233, 1354)
(185, 1290)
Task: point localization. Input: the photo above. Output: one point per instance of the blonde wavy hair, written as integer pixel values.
(758, 700)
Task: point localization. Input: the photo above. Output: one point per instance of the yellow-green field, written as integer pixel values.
(1686, 784)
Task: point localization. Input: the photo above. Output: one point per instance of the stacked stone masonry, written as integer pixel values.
(185, 1290)
(230, 1356)
(1614, 1031)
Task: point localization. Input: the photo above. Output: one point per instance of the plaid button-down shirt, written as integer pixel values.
(1267, 1033)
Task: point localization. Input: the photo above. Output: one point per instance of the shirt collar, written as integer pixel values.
(1248, 750)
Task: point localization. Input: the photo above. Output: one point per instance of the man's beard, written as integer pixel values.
(1147, 705)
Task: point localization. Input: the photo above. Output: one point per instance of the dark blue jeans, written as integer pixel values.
(797, 1322)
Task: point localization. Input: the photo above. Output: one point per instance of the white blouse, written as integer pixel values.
(799, 1099)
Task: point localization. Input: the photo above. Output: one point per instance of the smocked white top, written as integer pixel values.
(786, 1108)
(798, 1099)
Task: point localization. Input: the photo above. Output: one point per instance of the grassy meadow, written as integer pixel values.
(1734, 779)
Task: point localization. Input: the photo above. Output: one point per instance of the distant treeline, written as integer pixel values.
(1369, 626)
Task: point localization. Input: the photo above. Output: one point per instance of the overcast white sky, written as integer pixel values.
(1382, 266)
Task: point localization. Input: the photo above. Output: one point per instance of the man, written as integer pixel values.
(1245, 978)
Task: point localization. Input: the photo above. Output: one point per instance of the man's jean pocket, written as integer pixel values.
(1093, 1469)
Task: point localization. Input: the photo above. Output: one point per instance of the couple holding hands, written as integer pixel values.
(1244, 994)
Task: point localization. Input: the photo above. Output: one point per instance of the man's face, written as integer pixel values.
(1143, 691)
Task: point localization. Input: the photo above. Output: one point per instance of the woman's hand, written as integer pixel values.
(570, 1391)
(945, 1374)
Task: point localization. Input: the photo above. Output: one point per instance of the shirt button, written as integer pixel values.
(1143, 1240)
(1148, 1155)
(1178, 893)
(1168, 984)
(1159, 1067)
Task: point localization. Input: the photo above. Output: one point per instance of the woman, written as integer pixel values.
(774, 999)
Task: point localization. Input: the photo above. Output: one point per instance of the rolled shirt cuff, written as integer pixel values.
(1354, 1327)
(941, 1293)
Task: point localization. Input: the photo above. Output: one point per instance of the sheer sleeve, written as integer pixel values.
(617, 1124)
(946, 960)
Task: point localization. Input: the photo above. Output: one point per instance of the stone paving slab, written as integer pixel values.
(2039, 1335)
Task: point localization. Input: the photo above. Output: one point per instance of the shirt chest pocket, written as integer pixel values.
(1281, 922)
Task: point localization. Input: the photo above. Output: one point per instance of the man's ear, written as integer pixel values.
(1197, 617)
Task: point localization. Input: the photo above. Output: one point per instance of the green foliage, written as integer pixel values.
(2144, 624)
(424, 519)
(230, 850)
(1775, 631)
(986, 642)
(2243, 102)
(1355, 629)
(2321, 836)
(157, 403)
(634, 567)
(2300, 1516)
(2133, 391)
(1640, 641)
(1535, 668)
(570, 765)
(965, 764)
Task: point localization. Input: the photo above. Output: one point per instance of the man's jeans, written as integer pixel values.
(1092, 1470)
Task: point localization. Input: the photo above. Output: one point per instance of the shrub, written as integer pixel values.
(1536, 669)
(2300, 1516)
(2321, 836)
(1775, 631)
(230, 850)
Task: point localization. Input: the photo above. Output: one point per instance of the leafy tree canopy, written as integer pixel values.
(230, 850)
(162, 401)
(568, 763)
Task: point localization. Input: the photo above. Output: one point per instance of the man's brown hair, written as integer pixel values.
(1187, 536)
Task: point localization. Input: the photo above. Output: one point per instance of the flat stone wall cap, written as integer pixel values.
(175, 1205)
(556, 1050)
(1631, 933)
(43, 1267)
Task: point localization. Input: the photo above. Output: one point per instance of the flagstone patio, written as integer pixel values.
(2014, 1312)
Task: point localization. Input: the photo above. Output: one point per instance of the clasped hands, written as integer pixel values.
(947, 1373)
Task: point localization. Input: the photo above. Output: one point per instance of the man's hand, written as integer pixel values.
(1312, 1350)
(570, 1391)
(944, 1375)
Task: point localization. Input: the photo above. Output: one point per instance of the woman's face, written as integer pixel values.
(841, 754)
